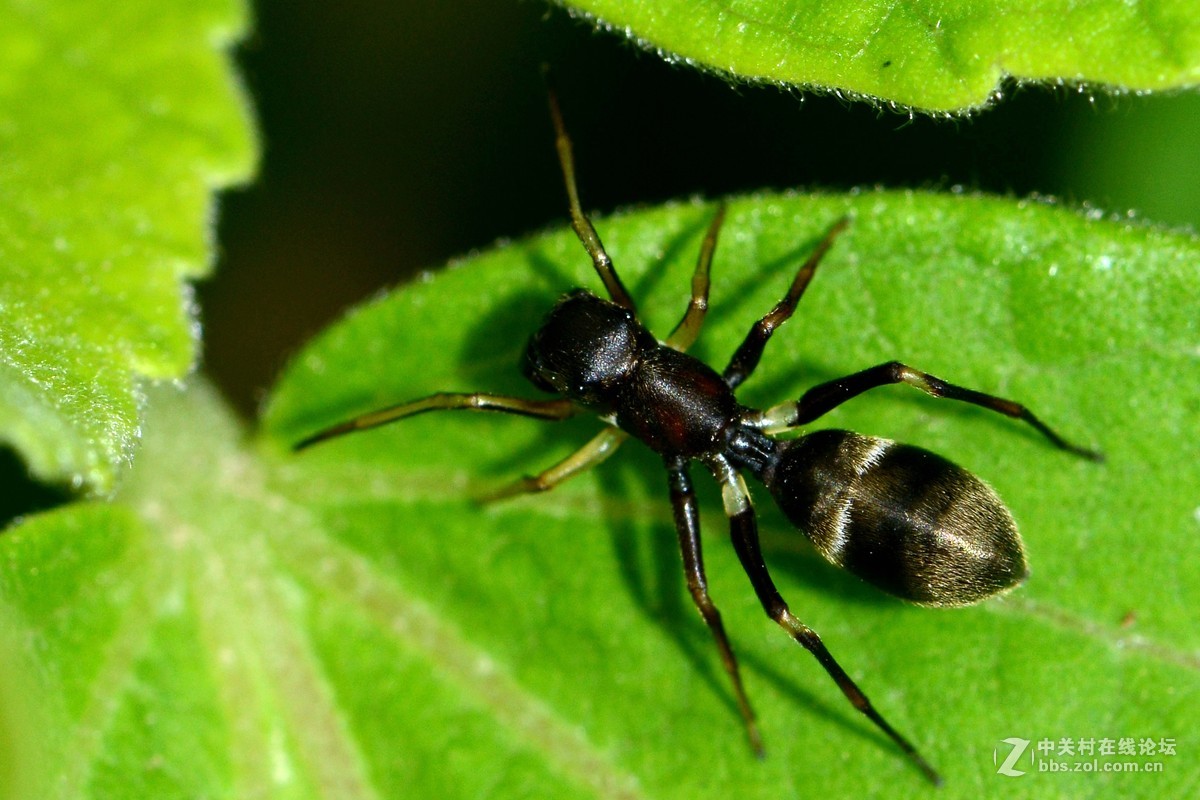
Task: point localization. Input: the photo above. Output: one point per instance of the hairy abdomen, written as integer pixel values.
(900, 517)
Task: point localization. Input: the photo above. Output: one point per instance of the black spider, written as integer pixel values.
(905, 519)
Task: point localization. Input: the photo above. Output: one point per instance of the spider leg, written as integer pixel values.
(579, 221)
(447, 401)
(747, 356)
(600, 447)
(688, 328)
(827, 396)
(744, 533)
(687, 524)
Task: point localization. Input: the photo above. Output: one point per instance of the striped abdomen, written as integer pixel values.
(900, 517)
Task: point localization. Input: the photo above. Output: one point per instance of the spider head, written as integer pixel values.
(585, 349)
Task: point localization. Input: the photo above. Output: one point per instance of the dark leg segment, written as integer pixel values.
(447, 401)
(685, 333)
(687, 524)
(822, 399)
(579, 221)
(744, 532)
(748, 354)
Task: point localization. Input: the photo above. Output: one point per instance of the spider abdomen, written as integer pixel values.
(902, 518)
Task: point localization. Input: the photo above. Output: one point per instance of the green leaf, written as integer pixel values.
(116, 125)
(245, 621)
(940, 56)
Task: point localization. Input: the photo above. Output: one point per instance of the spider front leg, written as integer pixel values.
(599, 448)
(687, 524)
(821, 399)
(750, 351)
(579, 221)
(744, 533)
(685, 333)
(447, 401)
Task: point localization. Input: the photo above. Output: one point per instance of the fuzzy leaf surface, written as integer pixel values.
(346, 623)
(117, 123)
(943, 56)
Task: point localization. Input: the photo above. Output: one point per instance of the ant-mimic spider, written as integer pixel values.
(902, 518)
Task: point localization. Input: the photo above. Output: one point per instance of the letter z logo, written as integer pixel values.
(1018, 749)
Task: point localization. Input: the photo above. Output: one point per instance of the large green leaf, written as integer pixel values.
(947, 55)
(117, 122)
(245, 621)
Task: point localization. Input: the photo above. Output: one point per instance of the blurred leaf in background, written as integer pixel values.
(1139, 154)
